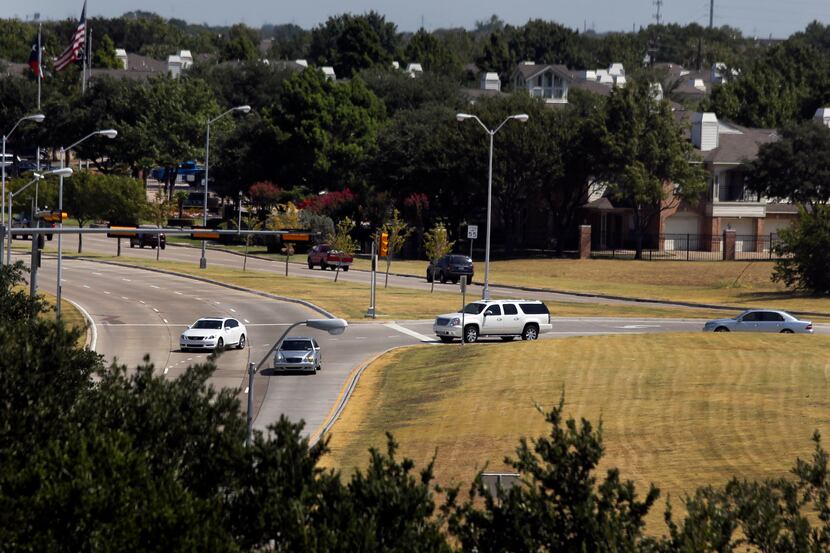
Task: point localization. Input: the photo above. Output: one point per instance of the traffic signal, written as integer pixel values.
(383, 250)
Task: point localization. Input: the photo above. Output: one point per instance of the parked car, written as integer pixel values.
(452, 267)
(298, 353)
(19, 221)
(213, 333)
(761, 320)
(506, 319)
(327, 258)
(142, 239)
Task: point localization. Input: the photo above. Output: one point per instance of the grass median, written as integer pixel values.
(738, 283)
(350, 300)
(680, 411)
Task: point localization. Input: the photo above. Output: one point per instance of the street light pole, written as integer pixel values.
(109, 133)
(241, 109)
(37, 118)
(461, 117)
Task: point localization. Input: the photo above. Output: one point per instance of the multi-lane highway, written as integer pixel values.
(136, 312)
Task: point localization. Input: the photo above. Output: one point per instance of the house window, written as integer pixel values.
(558, 87)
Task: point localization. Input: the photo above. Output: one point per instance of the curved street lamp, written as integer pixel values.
(107, 133)
(461, 117)
(37, 118)
(63, 172)
(240, 109)
(332, 326)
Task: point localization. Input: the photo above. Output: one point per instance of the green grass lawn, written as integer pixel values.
(680, 411)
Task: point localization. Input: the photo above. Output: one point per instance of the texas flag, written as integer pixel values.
(35, 57)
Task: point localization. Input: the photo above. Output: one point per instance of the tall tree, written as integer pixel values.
(645, 158)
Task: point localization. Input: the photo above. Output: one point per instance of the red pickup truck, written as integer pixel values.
(328, 258)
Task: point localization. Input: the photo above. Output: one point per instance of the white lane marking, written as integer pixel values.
(153, 286)
(141, 324)
(166, 370)
(179, 293)
(106, 292)
(86, 286)
(165, 321)
(200, 299)
(64, 280)
(634, 327)
(190, 359)
(156, 310)
(246, 389)
(93, 341)
(233, 310)
(126, 280)
(360, 337)
(216, 302)
(246, 320)
(408, 332)
(124, 298)
(97, 274)
(142, 302)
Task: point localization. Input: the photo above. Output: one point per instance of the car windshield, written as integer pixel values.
(461, 259)
(473, 308)
(296, 345)
(208, 324)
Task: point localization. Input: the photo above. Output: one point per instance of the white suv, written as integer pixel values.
(504, 318)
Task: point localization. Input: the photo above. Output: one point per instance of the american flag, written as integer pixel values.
(75, 51)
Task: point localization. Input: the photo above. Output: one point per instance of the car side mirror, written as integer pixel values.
(486, 314)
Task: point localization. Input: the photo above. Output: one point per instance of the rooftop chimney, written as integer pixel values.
(705, 135)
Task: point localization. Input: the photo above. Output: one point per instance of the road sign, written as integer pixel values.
(296, 237)
(472, 232)
(121, 232)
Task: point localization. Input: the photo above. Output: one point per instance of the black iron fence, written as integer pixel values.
(685, 247)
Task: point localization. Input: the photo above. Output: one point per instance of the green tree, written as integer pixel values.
(645, 158)
(84, 199)
(437, 244)
(341, 241)
(426, 49)
(795, 168)
(804, 252)
(179, 198)
(557, 505)
(350, 43)
(241, 44)
(399, 232)
(158, 210)
(105, 54)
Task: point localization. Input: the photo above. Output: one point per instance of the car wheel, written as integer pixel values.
(220, 344)
(164, 246)
(786, 331)
(49, 237)
(241, 344)
(469, 280)
(429, 276)
(442, 277)
(346, 269)
(455, 280)
(721, 329)
(470, 333)
(141, 246)
(446, 339)
(323, 266)
(132, 244)
(507, 338)
(310, 265)
(531, 332)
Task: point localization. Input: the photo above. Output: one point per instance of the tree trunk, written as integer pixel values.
(80, 238)
(432, 288)
(245, 259)
(638, 235)
(287, 257)
(388, 264)
(337, 272)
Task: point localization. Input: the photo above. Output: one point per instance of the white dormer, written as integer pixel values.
(121, 54)
(396, 65)
(705, 131)
(526, 62)
(823, 115)
(303, 63)
(413, 68)
(656, 90)
(490, 81)
(174, 66)
(587, 75)
(616, 70)
(698, 84)
(328, 71)
(186, 56)
(605, 78)
(619, 81)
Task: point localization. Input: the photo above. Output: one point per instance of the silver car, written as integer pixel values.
(761, 320)
(298, 353)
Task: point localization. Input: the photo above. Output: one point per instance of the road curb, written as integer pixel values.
(91, 331)
(260, 293)
(346, 394)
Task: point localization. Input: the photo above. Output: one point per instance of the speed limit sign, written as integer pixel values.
(472, 232)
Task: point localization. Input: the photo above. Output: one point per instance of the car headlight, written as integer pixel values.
(280, 355)
(309, 356)
(211, 337)
(184, 337)
(455, 322)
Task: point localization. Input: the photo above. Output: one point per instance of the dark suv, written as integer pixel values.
(452, 267)
(145, 239)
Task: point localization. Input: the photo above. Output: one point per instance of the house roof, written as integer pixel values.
(782, 209)
(528, 70)
(735, 148)
(13, 69)
(592, 86)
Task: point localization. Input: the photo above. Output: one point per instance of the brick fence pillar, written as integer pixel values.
(584, 241)
(729, 245)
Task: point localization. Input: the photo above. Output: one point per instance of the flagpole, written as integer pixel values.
(39, 78)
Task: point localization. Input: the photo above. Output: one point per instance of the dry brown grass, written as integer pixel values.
(680, 411)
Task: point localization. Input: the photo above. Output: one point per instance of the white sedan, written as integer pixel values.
(213, 333)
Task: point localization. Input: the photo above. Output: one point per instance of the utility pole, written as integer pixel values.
(711, 13)
(658, 18)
